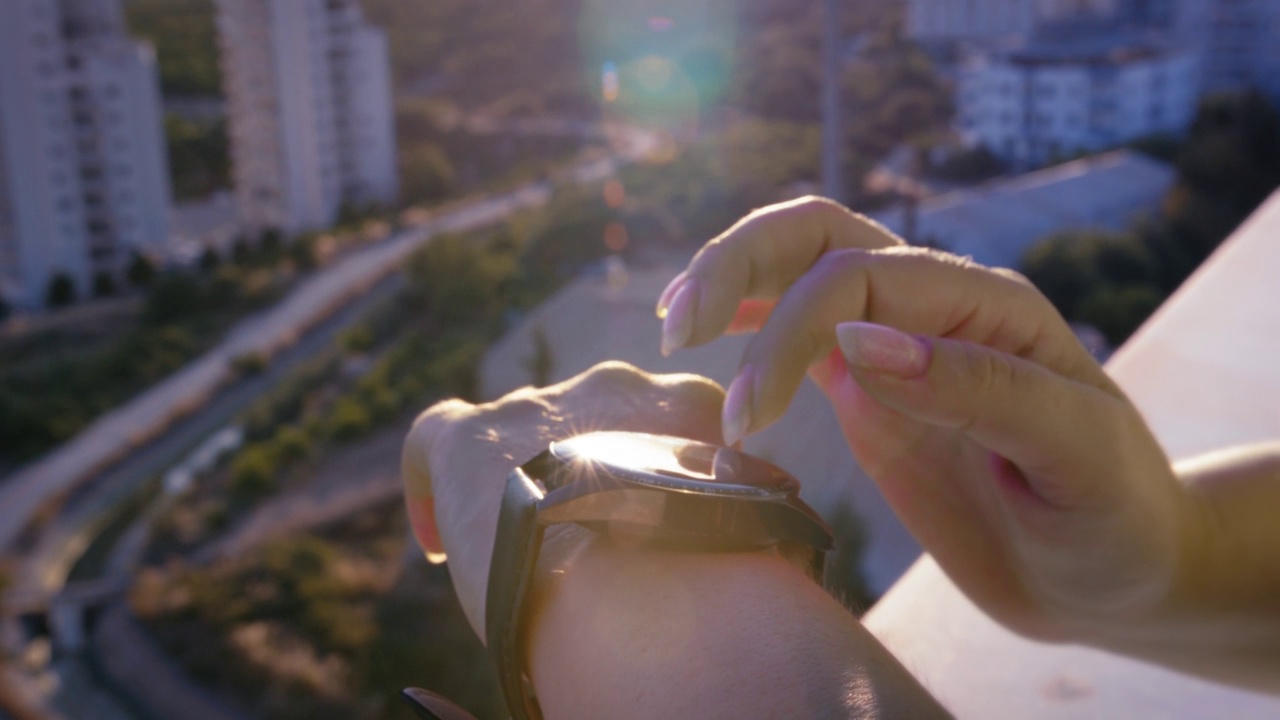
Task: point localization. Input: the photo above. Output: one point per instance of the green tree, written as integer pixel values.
(209, 260)
(104, 284)
(61, 290)
(426, 175)
(141, 270)
(542, 363)
(253, 472)
(454, 280)
(199, 156)
(184, 37)
(174, 297)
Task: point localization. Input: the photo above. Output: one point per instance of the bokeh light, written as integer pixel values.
(614, 194)
(615, 236)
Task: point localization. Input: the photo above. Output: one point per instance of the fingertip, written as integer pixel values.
(737, 412)
(664, 300)
(677, 326)
(422, 519)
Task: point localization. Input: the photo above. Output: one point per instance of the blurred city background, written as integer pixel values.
(244, 242)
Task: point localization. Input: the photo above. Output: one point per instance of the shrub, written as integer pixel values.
(253, 474)
(104, 285)
(61, 291)
(349, 420)
(141, 271)
(250, 363)
(209, 260)
(357, 340)
(291, 444)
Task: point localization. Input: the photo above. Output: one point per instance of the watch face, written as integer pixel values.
(674, 463)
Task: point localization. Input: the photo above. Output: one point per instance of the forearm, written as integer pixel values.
(626, 633)
(1223, 622)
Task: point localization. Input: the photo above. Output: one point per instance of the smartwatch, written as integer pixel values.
(651, 490)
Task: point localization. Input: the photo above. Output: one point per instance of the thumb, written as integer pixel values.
(1042, 422)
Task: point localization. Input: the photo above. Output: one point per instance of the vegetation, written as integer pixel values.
(318, 626)
(183, 34)
(1228, 165)
(199, 157)
(52, 386)
(61, 291)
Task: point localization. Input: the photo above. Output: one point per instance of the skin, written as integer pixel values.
(630, 633)
(1000, 443)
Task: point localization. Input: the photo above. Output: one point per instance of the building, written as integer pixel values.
(309, 111)
(997, 222)
(1050, 101)
(1241, 44)
(986, 20)
(84, 180)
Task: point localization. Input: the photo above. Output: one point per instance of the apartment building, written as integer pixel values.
(84, 180)
(310, 114)
(987, 20)
(1039, 103)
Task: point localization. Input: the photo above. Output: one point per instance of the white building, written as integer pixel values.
(308, 89)
(996, 222)
(982, 20)
(1241, 43)
(1031, 106)
(84, 181)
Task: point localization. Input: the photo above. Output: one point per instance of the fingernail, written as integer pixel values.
(677, 327)
(882, 349)
(422, 518)
(736, 419)
(664, 300)
(430, 706)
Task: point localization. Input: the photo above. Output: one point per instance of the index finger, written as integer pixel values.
(758, 259)
(415, 473)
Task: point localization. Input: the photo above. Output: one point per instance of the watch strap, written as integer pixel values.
(515, 553)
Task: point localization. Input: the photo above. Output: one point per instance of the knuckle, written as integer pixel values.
(1013, 275)
(839, 262)
(614, 375)
(989, 373)
(693, 390)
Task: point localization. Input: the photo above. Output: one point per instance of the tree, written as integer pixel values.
(271, 244)
(5, 309)
(253, 473)
(104, 284)
(141, 270)
(61, 291)
(209, 260)
(174, 298)
(426, 175)
(240, 251)
(542, 364)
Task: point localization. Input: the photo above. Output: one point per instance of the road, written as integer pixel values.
(124, 448)
(129, 427)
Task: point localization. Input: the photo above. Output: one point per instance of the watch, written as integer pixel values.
(654, 490)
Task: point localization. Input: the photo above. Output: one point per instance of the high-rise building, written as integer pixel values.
(84, 180)
(309, 103)
(1050, 101)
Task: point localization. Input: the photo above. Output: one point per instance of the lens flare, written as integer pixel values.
(609, 82)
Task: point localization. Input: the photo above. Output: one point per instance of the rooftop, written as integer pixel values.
(997, 221)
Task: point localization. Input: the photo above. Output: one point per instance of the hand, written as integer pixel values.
(1001, 444)
(457, 456)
